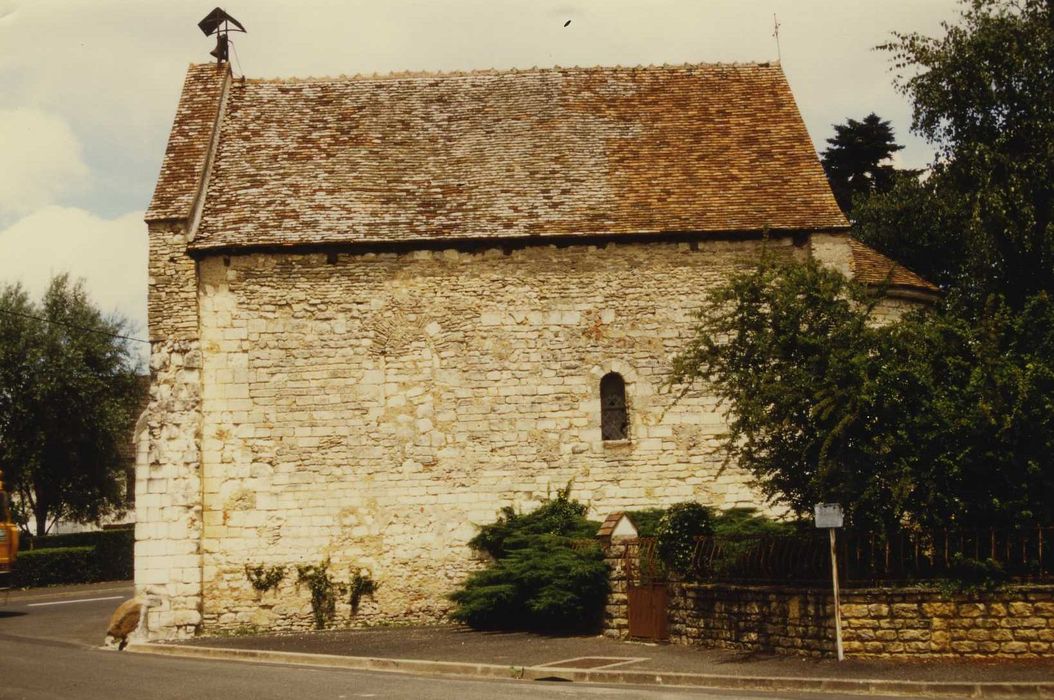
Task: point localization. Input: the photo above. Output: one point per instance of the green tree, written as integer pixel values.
(68, 392)
(856, 159)
(920, 224)
(934, 420)
(945, 416)
(983, 95)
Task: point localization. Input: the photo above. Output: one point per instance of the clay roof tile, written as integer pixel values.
(495, 154)
(871, 267)
(188, 143)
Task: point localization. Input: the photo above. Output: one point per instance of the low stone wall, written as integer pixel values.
(1017, 621)
(1014, 622)
(754, 618)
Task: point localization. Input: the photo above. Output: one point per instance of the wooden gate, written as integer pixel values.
(646, 593)
(647, 611)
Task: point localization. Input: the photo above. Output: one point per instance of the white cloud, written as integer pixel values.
(42, 160)
(109, 254)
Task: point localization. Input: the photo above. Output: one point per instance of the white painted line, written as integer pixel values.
(79, 600)
(615, 661)
(634, 660)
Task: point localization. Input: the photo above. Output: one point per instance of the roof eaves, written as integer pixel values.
(202, 249)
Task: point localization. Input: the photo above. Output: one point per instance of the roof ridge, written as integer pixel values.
(556, 68)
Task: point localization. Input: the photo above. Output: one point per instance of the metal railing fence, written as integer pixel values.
(865, 558)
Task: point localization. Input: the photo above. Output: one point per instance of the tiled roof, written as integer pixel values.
(871, 267)
(188, 144)
(562, 151)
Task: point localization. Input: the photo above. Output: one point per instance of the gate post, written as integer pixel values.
(617, 536)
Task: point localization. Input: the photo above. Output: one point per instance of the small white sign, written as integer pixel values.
(828, 514)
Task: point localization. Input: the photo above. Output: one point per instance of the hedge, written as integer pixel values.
(78, 539)
(82, 557)
(46, 567)
(114, 556)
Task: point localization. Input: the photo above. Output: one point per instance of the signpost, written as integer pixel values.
(829, 515)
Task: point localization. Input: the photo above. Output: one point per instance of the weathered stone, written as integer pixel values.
(938, 609)
(1020, 609)
(905, 610)
(451, 388)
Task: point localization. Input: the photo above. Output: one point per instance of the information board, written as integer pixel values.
(828, 514)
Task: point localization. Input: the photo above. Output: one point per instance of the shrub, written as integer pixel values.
(108, 555)
(556, 516)
(79, 539)
(361, 584)
(747, 522)
(969, 574)
(264, 578)
(546, 585)
(48, 567)
(677, 531)
(540, 577)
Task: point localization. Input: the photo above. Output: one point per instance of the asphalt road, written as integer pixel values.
(49, 648)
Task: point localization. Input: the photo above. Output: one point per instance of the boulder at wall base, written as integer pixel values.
(124, 621)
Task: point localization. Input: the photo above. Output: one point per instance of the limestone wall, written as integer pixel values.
(373, 408)
(168, 461)
(832, 250)
(890, 309)
(755, 618)
(172, 290)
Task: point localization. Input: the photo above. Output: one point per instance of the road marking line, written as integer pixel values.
(609, 661)
(68, 602)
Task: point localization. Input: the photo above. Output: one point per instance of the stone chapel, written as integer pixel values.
(382, 307)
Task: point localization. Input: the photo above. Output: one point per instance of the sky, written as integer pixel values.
(88, 88)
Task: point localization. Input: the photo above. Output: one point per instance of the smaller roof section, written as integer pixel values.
(872, 268)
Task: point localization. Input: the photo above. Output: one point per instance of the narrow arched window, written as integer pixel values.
(614, 422)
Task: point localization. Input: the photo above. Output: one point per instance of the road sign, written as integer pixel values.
(828, 514)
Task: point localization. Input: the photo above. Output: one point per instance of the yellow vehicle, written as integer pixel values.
(8, 538)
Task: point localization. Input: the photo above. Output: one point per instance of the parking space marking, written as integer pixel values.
(594, 662)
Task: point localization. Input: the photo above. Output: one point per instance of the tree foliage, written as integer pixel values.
(933, 420)
(856, 159)
(943, 418)
(68, 392)
(920, 224)
(541, 576)
(983, 94)
(677, 531)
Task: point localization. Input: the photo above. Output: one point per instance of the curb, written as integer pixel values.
(611, 677)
